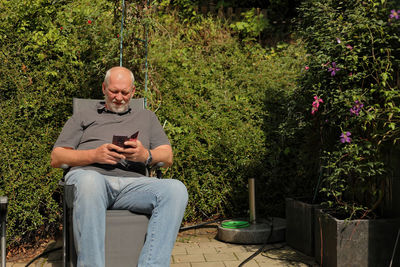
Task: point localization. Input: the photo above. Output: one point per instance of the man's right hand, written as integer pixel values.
(108, 154)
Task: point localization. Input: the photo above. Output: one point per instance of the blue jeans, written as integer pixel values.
(164, 199)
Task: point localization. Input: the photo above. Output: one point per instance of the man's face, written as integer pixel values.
(119, 92)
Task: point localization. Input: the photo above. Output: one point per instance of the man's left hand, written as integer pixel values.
(135, 151)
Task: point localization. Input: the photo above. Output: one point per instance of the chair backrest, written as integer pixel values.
(79, 104)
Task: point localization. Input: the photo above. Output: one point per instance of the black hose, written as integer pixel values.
(199, 225)
(261, 248)
(394, 249)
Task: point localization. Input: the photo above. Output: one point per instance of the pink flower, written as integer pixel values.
(315, 104)
(306, 67)
(338, 40)
(317, 100)
(349, 46)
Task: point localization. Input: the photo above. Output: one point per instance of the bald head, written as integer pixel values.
(118, 89)
(118, 72)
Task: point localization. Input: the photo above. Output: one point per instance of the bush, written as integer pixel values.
(213, 105)
(51, 51)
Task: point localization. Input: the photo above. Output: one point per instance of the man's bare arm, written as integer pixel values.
(105, 154)
(162, 153)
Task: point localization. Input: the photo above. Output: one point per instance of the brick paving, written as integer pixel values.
(199, 248)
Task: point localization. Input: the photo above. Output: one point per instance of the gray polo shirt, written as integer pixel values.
(95, 126)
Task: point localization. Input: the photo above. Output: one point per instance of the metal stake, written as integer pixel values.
(252, 200)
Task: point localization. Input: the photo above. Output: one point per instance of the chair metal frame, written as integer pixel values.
(3, 219)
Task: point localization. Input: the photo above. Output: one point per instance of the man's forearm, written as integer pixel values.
(71, 157)
(162, 153)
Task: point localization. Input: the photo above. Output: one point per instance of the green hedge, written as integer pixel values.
(214, 92)
(49, 53)
(218, 98)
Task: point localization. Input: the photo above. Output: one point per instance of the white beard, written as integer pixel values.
(117, 108)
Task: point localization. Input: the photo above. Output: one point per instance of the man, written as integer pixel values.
(104, 174)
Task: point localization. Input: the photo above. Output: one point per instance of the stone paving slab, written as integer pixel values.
(188, 258)
(208, 264)
(220, 256)
(199, 248)
(251, 263)
(186, 264)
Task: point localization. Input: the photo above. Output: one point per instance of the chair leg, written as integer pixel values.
(3, 219)
(65, 234)
(3, 242)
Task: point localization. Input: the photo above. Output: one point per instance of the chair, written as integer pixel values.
(125, 230)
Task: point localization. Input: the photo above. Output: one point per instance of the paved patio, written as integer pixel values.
(199, 248)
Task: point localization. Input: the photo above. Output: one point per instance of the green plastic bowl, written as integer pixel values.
(235, 224)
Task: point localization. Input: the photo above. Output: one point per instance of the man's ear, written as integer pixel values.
(103, 86)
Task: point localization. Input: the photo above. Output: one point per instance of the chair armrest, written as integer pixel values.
(64, 166)
(157, 168)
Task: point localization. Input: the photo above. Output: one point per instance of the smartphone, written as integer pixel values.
(119, 140)
(134, 136)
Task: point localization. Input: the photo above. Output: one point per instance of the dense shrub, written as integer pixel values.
(50, 51)
(213, 105)
(353, 89)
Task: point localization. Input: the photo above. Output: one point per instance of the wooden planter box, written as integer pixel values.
(355, 242)
(300, 225)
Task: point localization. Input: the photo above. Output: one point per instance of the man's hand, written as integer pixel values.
(135, 151)
(108, 154)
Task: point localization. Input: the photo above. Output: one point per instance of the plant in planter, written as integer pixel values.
(352, 82)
